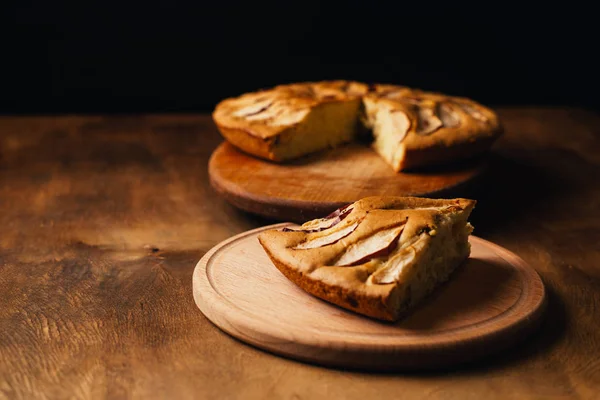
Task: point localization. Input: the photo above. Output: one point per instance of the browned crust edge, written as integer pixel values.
(249, 143)
(374, 307)
(435, 156)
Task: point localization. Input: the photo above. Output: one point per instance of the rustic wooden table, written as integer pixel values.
(103, 220)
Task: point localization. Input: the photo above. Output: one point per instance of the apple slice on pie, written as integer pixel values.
(379, 256)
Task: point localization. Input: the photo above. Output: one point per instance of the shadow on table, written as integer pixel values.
(550, 331)
(478, 290)
(513, 189)
(510, 188)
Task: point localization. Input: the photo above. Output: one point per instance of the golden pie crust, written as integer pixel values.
(379, 257)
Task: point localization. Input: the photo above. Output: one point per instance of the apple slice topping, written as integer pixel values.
(316, 225)
(257, 107)
(427, 121)
(341, 212)
(415, 101)
(472, 111)
(393, 122)
(380, 244)
(449, 118)
(406, 256)
(274, 109)
(327, 239)
(393, 94)
(302, 91)
(321, 224)
(289, 115)
(355, 89)
(279, 113)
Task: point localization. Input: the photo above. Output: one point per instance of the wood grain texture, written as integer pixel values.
(102, 221)
(315, 185)
(492, 301)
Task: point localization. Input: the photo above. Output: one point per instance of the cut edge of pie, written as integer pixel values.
(412, 128)
(379, 257)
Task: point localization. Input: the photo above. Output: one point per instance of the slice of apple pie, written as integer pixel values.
(379, 256)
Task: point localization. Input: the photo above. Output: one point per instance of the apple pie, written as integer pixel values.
(379, 256)
(409, 128)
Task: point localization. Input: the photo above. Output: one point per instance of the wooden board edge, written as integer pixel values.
(425, 357)
(301, 211)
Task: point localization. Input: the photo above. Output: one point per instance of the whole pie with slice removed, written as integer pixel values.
(409, 128)
(379, 256)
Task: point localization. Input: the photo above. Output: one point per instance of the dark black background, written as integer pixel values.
(131, 57)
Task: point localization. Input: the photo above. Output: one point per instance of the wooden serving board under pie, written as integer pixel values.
(491, 302)
(317, 184)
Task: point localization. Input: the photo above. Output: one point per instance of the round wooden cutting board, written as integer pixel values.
(315, 185)
(492, 301)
